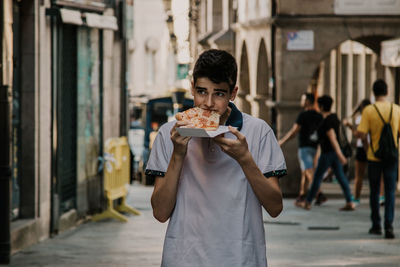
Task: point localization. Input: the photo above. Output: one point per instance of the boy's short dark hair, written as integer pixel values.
(216, 65)
(310, 97)
(325, 103)
(380, 88)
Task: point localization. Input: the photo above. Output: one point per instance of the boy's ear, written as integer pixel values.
(234, 93)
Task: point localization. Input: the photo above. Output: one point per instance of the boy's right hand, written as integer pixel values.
(180, 142)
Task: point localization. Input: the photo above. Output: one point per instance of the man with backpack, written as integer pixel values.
(381, 120)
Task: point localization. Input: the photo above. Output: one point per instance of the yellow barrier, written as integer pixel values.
(116, 179)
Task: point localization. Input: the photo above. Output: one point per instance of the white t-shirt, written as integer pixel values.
(357, 122)
(217, 220)
(359, 142)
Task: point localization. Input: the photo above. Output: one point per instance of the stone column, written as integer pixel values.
(361, 76)
(333, 75)
(242, 103)
(348, 92)
(389, 78)
(258, 107)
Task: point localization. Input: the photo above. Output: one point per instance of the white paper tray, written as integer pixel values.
(198, 132)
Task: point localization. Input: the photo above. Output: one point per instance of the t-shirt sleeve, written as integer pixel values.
(336, 123)
(159, 156)
(300, 118)
(364, 124)
(398, 111)
(270, 157)
(331, 122)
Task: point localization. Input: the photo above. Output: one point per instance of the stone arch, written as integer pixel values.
(348, 71)
(294, 81)
(347, 74)
(262, 70)
(370, 41)
(259, 107)
(244, 81)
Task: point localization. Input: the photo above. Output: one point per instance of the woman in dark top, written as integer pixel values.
(360, 164)
(305, 127)
(331, 154)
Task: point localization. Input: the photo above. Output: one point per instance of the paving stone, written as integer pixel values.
(341, 240)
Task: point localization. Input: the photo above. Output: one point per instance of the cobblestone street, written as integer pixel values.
(320, 237)
(95, 94)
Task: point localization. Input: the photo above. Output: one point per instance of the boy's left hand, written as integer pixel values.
(236, 148)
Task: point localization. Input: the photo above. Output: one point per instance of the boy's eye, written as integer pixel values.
(202, 92)
(220, 94)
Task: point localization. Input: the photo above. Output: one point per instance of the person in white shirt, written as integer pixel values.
(361, 154)
(211, 189)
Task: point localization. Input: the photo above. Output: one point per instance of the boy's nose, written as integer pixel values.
(209, 101)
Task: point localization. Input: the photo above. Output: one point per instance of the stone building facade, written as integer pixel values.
(64, 82)
(285, 48)
(150, 51)
(324, 28)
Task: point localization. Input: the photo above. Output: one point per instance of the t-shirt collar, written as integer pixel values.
(235, 119)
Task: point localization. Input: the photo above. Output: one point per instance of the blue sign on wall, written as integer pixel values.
(182, 71)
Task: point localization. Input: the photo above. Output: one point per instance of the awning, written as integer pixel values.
(203, 39)
(69, 16)
(7, 45)
(390, 53)
(223, 38)
(94, 5)
(101, 21)
(93, 20)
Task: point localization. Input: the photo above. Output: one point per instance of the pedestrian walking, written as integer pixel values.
(212, 189)
(331, 154)
(305, 127)
(381, 120)
(361, 153)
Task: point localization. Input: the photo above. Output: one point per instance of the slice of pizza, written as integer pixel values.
(200, 118)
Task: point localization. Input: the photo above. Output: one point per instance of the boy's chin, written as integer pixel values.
(225, 115)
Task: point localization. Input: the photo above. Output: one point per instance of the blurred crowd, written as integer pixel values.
(324, 151)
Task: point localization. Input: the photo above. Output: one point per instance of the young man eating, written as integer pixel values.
(212, 189)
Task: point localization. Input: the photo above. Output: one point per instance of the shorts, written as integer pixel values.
(361, 155)
(306, 157)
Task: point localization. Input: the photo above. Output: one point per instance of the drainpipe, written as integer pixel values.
(5, 172)
(274, 114)
(123, 92)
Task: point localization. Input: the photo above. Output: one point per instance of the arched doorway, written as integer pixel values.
(347, 74)
(260, 109)
(244, 82)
